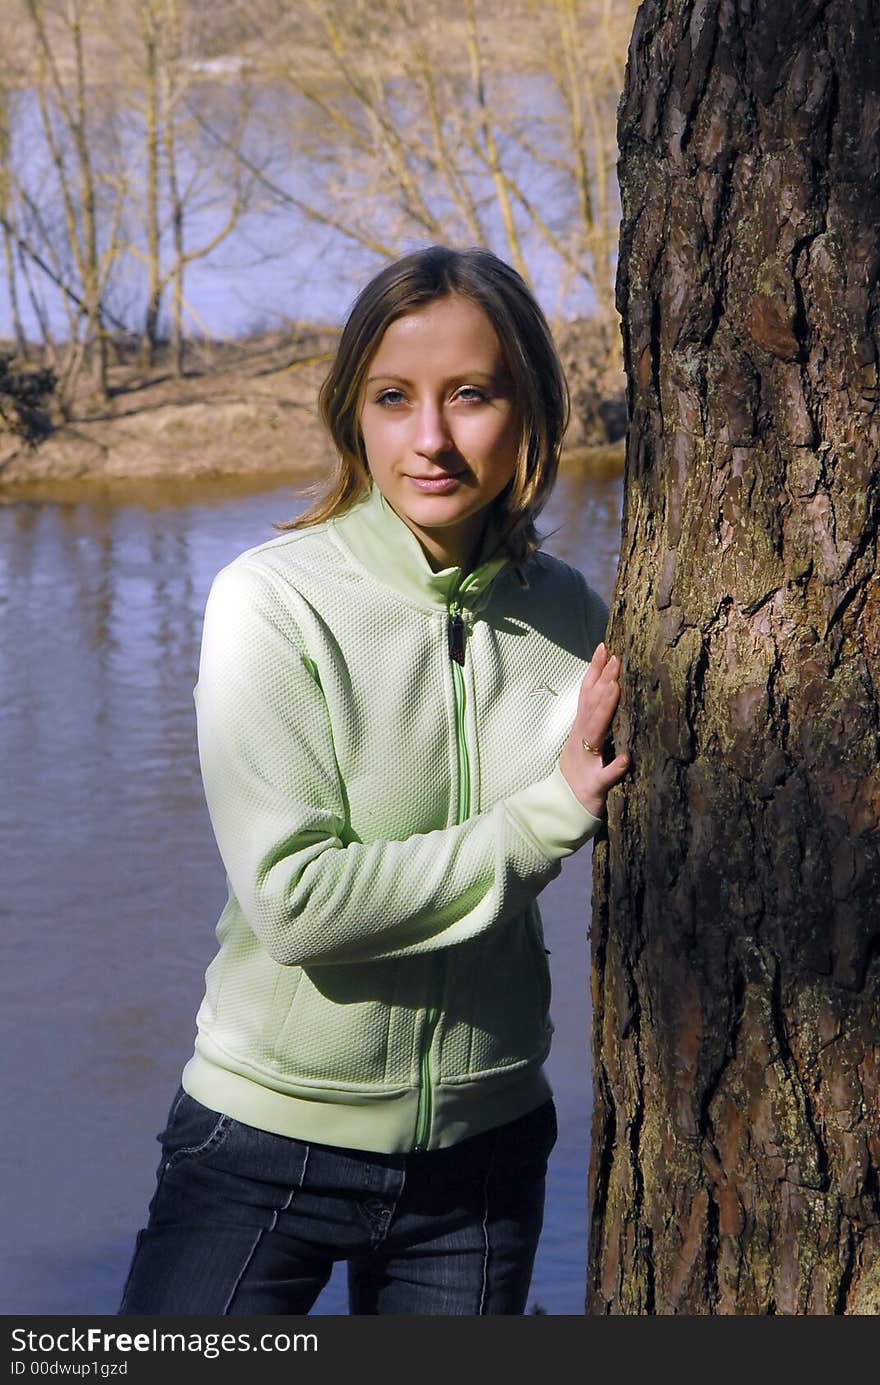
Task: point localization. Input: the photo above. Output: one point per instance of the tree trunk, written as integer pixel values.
(7, 218)
(152, 139)
(736, 928)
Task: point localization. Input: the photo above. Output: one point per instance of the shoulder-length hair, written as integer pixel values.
(539, 384)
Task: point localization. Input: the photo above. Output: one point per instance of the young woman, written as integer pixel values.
(401, 709)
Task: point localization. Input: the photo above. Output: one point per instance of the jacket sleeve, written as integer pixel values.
(277, 807)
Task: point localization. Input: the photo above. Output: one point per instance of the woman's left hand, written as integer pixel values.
(581, 760)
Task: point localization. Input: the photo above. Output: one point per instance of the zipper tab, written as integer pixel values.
(455, 631)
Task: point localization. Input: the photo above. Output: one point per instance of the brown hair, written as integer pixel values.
(530, 354)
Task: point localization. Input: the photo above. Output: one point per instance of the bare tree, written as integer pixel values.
(65, 96)
(149, 30)
(471, 126)
(189, 164)
(374, 127)
(8, 222)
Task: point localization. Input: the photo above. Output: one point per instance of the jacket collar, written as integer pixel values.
(377, 538)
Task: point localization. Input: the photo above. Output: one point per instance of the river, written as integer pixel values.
(113, 882)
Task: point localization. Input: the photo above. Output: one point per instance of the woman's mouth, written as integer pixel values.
(436, 485)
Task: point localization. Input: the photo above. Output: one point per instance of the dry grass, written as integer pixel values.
(243, 409)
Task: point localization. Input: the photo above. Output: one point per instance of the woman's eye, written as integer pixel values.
(472, 394)
(390, 397)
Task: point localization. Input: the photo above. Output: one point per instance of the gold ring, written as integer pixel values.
(593, 750)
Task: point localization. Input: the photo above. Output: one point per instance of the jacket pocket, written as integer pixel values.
(351, 1026)
(505, 1024)
(541, 955)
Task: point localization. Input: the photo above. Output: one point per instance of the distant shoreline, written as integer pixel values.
(157, 488)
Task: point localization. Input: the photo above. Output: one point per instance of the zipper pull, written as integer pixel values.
(455, 632)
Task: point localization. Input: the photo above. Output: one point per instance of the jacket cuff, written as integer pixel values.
(552, 816)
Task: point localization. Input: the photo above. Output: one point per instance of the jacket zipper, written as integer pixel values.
(455, 635)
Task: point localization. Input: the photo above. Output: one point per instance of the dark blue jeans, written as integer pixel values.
(243, 1221)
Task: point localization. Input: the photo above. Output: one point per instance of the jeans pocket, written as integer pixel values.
(192, 1132)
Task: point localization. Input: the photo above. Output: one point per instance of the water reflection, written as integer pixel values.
(112, 884)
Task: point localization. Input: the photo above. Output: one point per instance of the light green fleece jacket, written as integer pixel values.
(387, 815)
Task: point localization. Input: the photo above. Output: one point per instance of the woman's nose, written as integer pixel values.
(433, 436)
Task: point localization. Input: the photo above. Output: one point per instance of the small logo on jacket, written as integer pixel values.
(543, 690)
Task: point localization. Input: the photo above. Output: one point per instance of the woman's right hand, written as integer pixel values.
(581, 759)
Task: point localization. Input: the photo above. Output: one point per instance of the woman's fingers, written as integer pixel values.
(601, 670)
(597, 701)
(599, 687)
(581, 759)
(595, 667)
(613, 772)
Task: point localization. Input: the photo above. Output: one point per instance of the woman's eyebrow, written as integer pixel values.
(458, 376)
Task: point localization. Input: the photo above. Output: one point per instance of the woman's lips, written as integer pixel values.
(435, 485)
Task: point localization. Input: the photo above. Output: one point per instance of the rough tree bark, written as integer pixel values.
(736, 928)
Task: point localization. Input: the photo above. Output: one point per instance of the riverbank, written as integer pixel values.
(245, 409)
(241, 408)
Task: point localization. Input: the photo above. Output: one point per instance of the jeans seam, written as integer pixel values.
(265, 1231)
(181, 1093)
(481, 1311)
(243, 1271)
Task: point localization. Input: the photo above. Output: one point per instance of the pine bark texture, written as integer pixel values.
(736, 924)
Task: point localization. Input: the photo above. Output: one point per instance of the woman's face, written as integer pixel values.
(440, 426)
